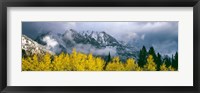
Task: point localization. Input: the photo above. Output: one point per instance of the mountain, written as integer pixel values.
(98, 43)
(102, 38)
(30, 47)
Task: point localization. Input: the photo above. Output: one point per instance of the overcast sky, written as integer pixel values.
(158, 34)
(116, 29)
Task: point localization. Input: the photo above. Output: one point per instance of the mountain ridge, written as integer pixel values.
(98, 43)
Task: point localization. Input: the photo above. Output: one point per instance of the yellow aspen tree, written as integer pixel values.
(99, 64)
(170, 68)
(74, 53)
(130, 65)
(60, 62)
(80, 62)
(150, 65)
(30, 63)
(139, 68)
(115, 65)
(25, 65)
(73, 61)
(67, 62)
(56, 64)
(163, 67)
(45, 65)
(35, 62)
(91, 62)
(76, 61)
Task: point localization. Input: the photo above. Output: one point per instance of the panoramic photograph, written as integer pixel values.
(99, 46)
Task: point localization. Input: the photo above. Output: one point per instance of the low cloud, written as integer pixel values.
(49, 41)
(88, 48)
(52, 44)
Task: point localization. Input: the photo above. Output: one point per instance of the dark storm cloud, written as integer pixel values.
(164, 42)
(33, 29)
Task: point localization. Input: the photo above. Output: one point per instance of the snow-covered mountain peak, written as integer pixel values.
(86, 33)
(69, 32)
(94, 35)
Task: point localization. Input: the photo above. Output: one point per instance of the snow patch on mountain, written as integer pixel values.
(31, 47)
(94, 35)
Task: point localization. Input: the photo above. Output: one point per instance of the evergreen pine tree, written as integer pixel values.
(109, 57)
(167, 61)
(142, 57)
(173, 61)
(158, 61)
(176, 61)
(108, 60)
(152, 52)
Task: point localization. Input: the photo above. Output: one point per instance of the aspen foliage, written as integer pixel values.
(170, 68)
(60, 62)
(77, 61)
(45, 64)
(150, 65)
(131, 65)
(163, 67)
(115, 65)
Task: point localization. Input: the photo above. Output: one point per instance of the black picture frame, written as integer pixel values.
(99, 3)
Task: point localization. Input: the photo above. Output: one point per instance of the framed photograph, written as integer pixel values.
(100, 46)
